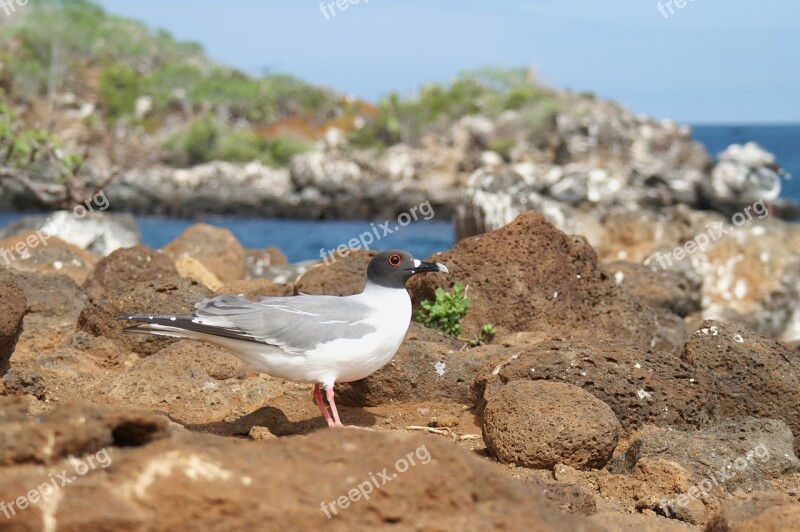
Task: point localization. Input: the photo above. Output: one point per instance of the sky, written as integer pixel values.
(707, 62)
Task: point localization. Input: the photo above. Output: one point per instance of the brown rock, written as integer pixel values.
(191, 382)
(339, 276)
(734, 455)
(169, 295)
(218, 484)
(261, 434)
(775, 519)
(72, 429)
(217, 362)
(619, 522)
(674, 290)
(24, 381)
(50, 295)
(753, 375)
(125, 267)
(569, 498)
(529, 276)
(47, 294)
(661, 481)
(276, 256)
(216, 248)
(195, 270)
(102, 351)
(761, 511)
(540, 424)
(640, 385)
(52, 255)
(12, 310)
(256, 287)
(428, 366)
(259, 259)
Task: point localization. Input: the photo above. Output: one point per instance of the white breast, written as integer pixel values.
(351, 359)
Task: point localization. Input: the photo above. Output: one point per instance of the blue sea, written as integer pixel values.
(303, 239)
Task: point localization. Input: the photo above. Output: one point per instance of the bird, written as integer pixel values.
(318, 339)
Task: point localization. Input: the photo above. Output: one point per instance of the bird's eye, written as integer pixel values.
(395, 260)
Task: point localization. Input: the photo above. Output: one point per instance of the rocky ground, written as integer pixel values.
(605, 402)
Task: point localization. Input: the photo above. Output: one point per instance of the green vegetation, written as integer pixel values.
(120, 85)
(36, 160)
(61, 45)
(445, 312)
(487, 91)
(58, 47)
(206, 138)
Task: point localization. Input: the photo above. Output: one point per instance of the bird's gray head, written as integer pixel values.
(394, 267)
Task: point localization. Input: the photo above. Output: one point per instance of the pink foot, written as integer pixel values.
(333, 422)
(336, 421)
(323, 409)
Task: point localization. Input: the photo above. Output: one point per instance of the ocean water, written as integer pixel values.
(303, 239)
(782, 141)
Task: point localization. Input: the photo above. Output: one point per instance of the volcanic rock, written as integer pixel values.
(125, 267)
(540, 424)
(12, 310)
(752, 375)
(215, 247)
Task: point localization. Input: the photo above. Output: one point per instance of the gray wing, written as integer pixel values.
(292, 323)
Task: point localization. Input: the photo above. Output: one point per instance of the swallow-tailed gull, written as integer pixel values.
(307, 338)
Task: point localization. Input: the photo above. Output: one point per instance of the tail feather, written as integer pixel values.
(178, 326)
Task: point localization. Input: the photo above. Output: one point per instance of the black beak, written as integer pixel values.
(425, 267)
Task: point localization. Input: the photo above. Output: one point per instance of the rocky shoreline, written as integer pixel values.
(593, 155)
(646, 415)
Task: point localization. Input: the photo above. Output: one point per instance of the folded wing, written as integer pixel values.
(293, 324)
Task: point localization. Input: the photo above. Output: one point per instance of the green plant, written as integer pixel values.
(282, 149)
(207, 139)
(487, 91)
(485, 335)
(35, 159)
(195, 144)
(444, 313)
(120, 85)
(241, 145)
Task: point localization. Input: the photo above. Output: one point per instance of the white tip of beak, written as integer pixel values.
(442, 267)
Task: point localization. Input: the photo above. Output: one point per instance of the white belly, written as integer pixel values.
(343, 360)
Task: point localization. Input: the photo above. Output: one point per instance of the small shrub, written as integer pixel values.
(195, 144)
(485, 335)
(207, 139)
(242, 146)
(282, 149)
(445, 312)
(120, 85)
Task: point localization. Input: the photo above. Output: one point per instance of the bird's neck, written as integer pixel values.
(392, 304)
(381, 295)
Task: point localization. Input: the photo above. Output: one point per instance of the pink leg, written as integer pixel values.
(336, 421)
(321, 405)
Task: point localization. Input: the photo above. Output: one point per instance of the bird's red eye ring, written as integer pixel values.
(395, 260)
